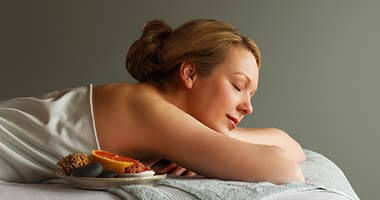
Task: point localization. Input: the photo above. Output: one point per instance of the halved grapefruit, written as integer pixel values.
(112, 162)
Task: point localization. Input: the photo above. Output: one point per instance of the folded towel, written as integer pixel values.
(320, 174)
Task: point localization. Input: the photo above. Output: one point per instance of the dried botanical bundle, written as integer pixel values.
(72, 161)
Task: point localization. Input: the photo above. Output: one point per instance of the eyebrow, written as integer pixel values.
(245, 76)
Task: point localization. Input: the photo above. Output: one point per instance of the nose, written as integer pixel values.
(245, 107)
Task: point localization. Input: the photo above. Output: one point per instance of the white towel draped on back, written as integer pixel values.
(37, 131)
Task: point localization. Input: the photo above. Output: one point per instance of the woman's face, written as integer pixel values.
(223, 98)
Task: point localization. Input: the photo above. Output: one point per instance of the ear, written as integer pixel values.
(188, 74)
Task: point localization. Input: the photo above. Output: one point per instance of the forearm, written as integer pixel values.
(271, 136)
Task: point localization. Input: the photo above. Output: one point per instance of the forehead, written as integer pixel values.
(241, 60)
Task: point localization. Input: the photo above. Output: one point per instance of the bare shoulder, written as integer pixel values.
(127, 94)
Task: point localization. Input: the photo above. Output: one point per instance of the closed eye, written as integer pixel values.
(237, 88)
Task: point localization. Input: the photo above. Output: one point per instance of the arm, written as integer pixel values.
(176, 136)
(270, 136)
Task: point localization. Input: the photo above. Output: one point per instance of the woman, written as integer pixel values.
(195, 86)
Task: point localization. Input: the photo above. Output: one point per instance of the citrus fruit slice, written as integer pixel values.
(112, 162)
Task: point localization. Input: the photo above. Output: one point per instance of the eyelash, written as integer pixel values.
(237, 88)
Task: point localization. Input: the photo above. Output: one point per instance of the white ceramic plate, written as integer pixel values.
(107, 183)
(141, 174)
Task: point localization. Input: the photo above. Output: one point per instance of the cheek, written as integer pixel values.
(211, 104)
(223, 99)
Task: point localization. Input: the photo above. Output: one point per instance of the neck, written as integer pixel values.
(174, 96)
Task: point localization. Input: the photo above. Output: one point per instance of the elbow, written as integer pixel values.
(285, 170)
(300, 154)
(292, 146)
(292, 174)
(301, 157)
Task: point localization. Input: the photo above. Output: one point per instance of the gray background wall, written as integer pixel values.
(318, 82)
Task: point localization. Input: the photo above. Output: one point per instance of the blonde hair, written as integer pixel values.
(159, 52)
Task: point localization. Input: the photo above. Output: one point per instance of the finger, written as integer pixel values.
(178, 171)
(160, 164)
(167, 168)
(190, 173)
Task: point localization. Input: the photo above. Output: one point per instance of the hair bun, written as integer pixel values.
(144, 56)
(156, 29)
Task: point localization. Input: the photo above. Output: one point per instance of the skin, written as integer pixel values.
(150, 123)
(231, 87)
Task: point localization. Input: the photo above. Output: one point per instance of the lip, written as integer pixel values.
(233, 120)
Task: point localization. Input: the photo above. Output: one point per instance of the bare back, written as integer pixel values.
(116, 124)
(134, 120)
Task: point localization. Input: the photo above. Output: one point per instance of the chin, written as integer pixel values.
(223, 130)
(220, 129)
(226, 132)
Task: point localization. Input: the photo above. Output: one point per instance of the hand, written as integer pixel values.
(170, 168)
